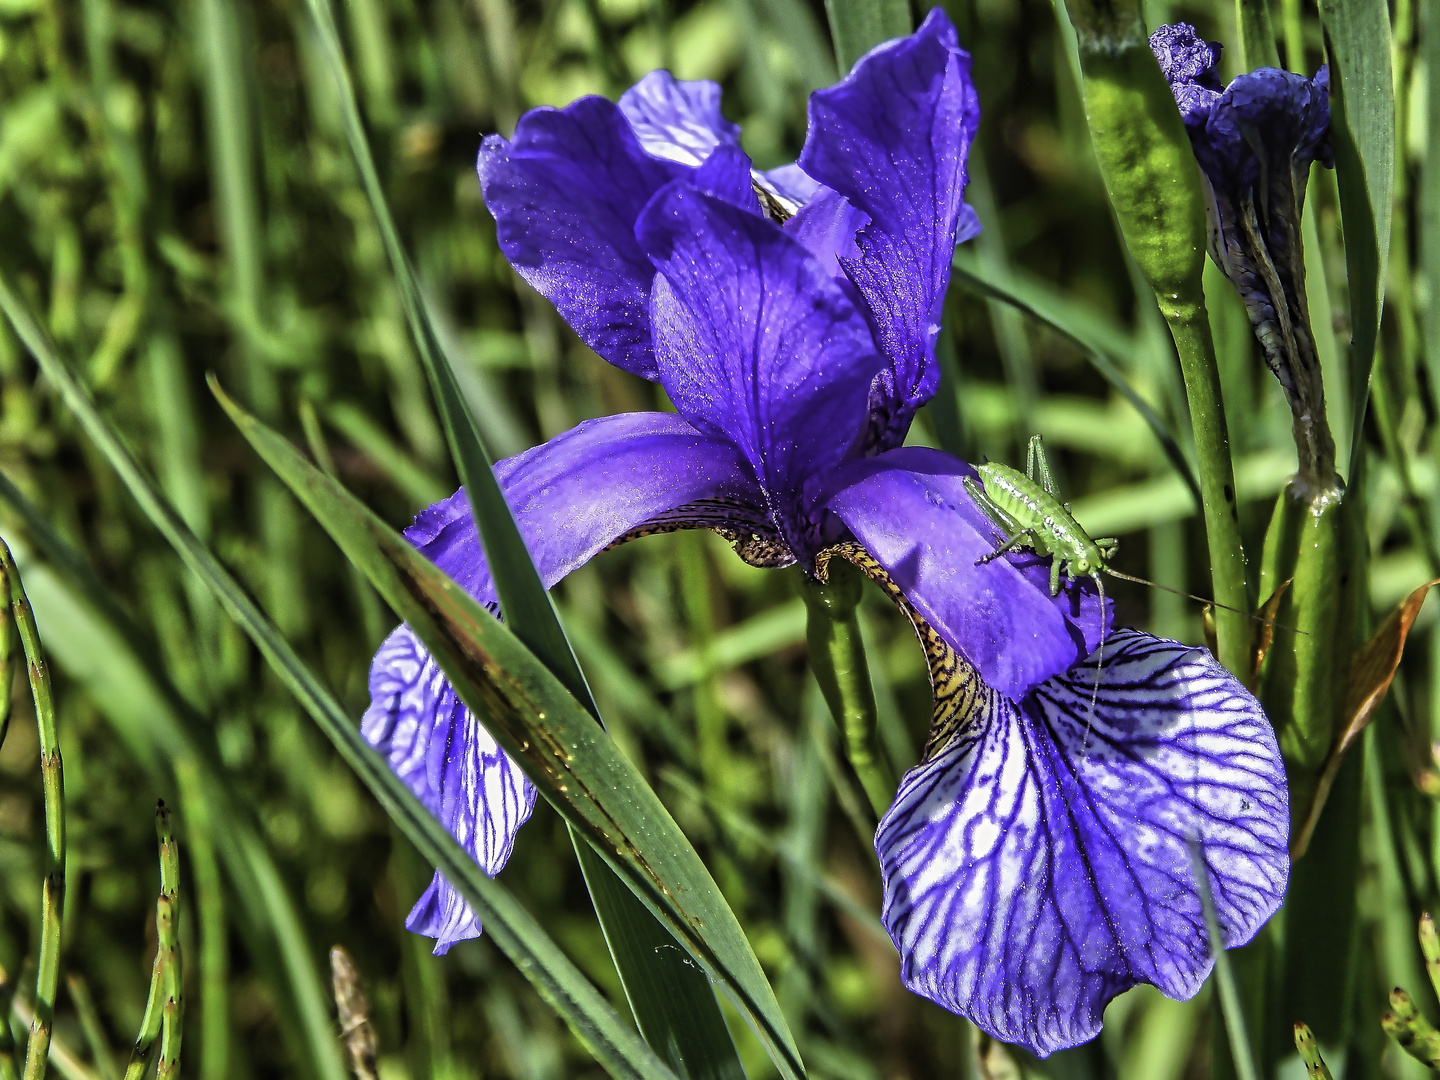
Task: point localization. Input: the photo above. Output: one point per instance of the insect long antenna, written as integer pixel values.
(1099, 666)
(1197, 599)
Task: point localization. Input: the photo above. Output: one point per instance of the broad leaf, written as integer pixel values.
(1372, 670)
(651, 976)
(857, 26)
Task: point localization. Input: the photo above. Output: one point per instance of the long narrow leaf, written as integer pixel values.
(576, 766)
(613, 1042)
(1362, 121)
(1033, 303)
(522, 596)
(526, 608)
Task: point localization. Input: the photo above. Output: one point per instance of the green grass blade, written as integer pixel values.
(523, 600)
(1227, 991)
(668, 999)
(576, 766)
(1362, 126)
(522, 597)
(101, 649)
(517, 934)
(857, 26)
(1033, 302)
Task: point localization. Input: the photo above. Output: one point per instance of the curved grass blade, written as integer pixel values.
(1034, 304)
(533, 716)
(124, 676)
(528, 611)
(614, 1043)
(1362, 126)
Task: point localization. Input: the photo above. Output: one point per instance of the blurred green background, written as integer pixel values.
(177, 199)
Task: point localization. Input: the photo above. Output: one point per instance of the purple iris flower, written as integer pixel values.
(1255, 141)
(1035, 863)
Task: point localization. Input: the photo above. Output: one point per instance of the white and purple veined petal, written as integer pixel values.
(455, 768)
(1037, 864)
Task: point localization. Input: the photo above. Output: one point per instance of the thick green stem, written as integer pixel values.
(837, 656)
(52, 782)
(1190, 327)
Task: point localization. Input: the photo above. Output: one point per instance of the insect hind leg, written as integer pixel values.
(1015, 543)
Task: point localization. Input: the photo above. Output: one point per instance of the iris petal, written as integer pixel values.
(587, 488)
(675, 120)
(572, 497)
(757, 344)
(910, 510)
(435, 745)
(1036, 864)
(565, 193)
(892, 138)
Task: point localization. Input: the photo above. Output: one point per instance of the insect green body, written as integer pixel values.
(1028, 508)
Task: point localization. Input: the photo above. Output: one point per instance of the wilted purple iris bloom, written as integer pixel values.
(1035, 863)
(1255, 141)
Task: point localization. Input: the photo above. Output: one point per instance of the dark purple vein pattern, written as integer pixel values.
(459, 772)
(1037, 864)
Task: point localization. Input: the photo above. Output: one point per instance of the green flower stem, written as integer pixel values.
(1430, 949)
(164, 1008)
(1309, 1052)
(1154, 185)
(1257, 35)
(1196, 348)
(52, 781)
(150, 1022)
(837, 656)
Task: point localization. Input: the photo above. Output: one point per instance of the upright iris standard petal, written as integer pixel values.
(565, 193)
(455, 768)
(910, 510)
(1037, 863)
(757, 344)
(571, 497)
(678, 121)
(892, 138)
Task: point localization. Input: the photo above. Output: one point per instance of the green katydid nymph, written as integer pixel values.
(1028, 508)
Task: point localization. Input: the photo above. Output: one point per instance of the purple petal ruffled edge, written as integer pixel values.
(677, 120)
(434, 744)
(1038, 864)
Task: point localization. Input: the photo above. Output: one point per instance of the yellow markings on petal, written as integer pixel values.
(961, 697)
